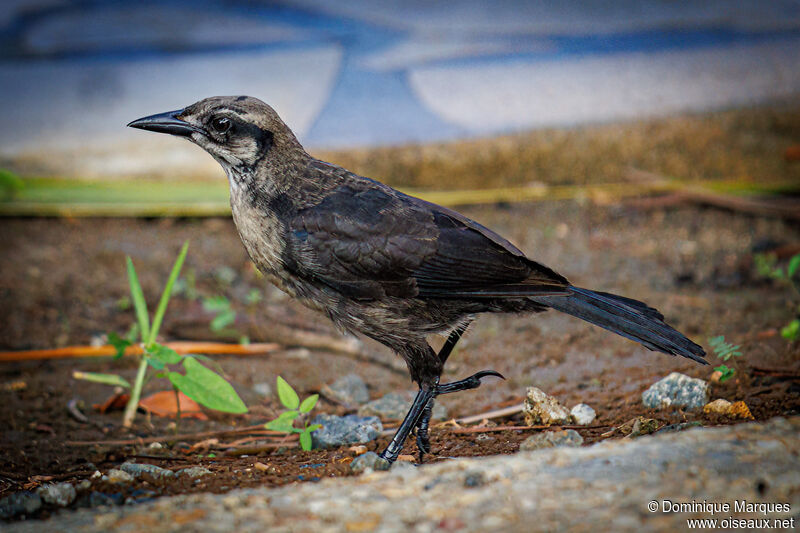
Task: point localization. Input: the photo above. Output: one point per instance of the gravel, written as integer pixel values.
(394, 406)
(540, 408)
(341, 430)
(349, 390)
(583, 414)
(551, 439)
(60, 494)
(19, 504)
(676, 390)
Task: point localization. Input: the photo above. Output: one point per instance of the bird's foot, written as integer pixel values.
(472, 382)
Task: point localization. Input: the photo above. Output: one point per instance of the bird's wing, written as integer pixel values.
(369, 241)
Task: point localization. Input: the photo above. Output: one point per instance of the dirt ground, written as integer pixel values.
(62, 282)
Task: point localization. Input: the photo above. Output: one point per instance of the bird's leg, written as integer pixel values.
(423, 439)
(409, 422)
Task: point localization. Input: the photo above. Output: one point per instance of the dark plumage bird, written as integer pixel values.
(379, 262)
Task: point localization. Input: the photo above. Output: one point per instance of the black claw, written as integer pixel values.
(472, 382)
(485, 373)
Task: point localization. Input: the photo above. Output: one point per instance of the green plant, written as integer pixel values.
(725, 351)
(294, 410)
(198, 382)
(766, 265)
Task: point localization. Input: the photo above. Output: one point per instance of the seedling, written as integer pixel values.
(295, 409)
(766, 266)
(199, 383)
(725, 351)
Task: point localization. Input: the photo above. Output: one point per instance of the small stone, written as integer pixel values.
(716, 375)
(60, 494)
(543, 409)
(643, 426)
(138, 470)
(357, 450)
(349, 390)
(405, 457)
(260, 466)
(740, 410)
(83, 485)
(340, 430)
(718, 406)
(20, 503)
(118, 476)
(369, 460)
(97, 474)
(263, 389)
(582, 414)
(484, 437)
(155, 446)
(394, 406)
(676, 390)
(551, 439)
(194, 471)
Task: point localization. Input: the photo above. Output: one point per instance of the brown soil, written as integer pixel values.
(62, 282)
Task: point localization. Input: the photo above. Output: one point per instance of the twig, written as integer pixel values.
(490, 429)
(255, 430)
(497, 413)
(182, 347)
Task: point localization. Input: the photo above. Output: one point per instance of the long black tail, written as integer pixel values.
(624, 316)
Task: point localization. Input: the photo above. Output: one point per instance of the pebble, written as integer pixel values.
(194, 471)
(583, 414)
(551, 439)
(118, 476)
(340, 430)
(394, 406)
(349, 390)
(543, 409)
(357, 450)
(137, 470)
(371, 461)
(484, 437)
(724, 407)
(60, 494)
(643, 426)
(263, 389)
(20, 503)
(676, 390)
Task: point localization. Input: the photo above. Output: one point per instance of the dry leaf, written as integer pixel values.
(163, 404)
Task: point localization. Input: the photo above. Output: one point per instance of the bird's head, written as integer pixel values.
(240, 132)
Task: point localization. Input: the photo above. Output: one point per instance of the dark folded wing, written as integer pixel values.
(369, 242)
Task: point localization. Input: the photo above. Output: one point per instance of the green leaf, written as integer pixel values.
(314, 427)
(791, 332)
(214, 304)
(309, 403)
(287, 394)
(133, 333)
(726, 372)
(139, 305)
(305, 440)
(164, 354)
(207, 387)
(794, 264)
(222, 320)
(253, 297)
(155, 363)
(162, 303)
(108, 379)
(282, 426)
(118, 343)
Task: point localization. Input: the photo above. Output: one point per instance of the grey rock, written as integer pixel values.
(676, 390)
(394, 406)
(20, 503)
(551, 439)
(263, 389)
(137, 470)
(369, 460)
(341, 430)
(60, 494)
(194, 471)
(541, 408)
(557, 489)
(349, 390)
(583, 414)
(116, 475)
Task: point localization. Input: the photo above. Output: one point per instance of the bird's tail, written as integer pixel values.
(624, 316)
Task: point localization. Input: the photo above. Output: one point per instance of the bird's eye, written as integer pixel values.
(221, 124)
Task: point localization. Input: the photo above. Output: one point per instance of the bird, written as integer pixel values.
(382, 263)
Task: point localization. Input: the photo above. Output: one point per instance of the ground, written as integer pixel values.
(63, 283)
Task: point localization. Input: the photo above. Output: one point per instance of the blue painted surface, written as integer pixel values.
(365, 106)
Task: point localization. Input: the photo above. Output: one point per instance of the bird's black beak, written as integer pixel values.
(166, 123)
